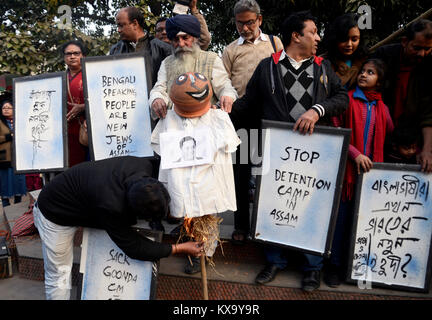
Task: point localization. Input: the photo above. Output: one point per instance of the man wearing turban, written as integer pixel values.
(184, 31)
(205, 37)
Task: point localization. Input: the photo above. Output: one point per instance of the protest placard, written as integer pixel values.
(118, 114)
(109, 274)
(391, 237)
(299, 189)
(40, 129)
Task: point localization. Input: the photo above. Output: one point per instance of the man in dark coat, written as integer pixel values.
(282, 89)
(407, 90)
(134, 38)
(292, 85)
(108, 194)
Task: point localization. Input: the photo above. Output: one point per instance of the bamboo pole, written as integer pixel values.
(399, 32)
(204, 277)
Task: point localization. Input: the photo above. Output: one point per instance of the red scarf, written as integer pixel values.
(353, 120)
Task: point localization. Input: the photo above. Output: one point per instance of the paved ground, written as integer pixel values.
(187, 288)
(232, 279)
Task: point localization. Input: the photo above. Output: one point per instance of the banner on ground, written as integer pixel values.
(109, 274)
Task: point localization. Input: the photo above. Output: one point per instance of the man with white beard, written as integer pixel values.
(184, 32)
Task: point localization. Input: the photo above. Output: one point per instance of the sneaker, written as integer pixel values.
(194, 268)
(311, 280)
(267, 274)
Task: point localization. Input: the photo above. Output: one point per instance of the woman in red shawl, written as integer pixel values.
(369, 119)
(73, 51)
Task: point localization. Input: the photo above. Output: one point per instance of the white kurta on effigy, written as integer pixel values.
(203, 189)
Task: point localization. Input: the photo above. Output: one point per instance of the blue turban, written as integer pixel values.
(183, 22)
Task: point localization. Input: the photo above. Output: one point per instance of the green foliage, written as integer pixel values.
(387, 15)
(30, 36)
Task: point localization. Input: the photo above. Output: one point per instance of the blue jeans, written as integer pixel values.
(341, 239)
(340, 244)
(275, 256)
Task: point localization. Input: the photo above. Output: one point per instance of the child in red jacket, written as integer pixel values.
(369, 119)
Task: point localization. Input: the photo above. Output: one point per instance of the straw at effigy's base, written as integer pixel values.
(204, 229)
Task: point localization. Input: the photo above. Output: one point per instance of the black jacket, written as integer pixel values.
(155, 51)
(93, 194)
(418, 102)
(265, 95)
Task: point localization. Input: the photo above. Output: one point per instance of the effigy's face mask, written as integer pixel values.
(191, 93)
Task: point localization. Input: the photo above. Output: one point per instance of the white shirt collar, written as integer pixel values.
(261, 37)
(283, 55)
(294, 63)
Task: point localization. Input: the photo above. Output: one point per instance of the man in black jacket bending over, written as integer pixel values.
(109, 194)
(292, 85)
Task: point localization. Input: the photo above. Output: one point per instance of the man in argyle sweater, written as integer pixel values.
(293, 86)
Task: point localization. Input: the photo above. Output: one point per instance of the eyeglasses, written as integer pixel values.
(73, 53)
(7, 108)
(248, 23)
